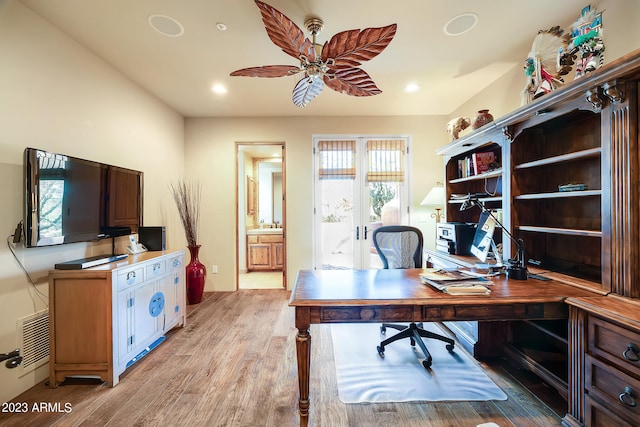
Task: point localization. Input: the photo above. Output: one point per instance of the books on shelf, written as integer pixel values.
(455, 282)
(483, 161)
(477, 163)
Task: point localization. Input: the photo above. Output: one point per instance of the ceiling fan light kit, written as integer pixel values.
(334, 64)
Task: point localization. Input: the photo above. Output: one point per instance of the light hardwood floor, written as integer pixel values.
(234, 364)
(261, 280)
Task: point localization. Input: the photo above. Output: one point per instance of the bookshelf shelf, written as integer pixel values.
(559, 195)
(564, 231)
(490, 174)
(482, 199)
(570, 157)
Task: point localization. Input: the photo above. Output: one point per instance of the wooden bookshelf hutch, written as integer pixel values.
(585, 135)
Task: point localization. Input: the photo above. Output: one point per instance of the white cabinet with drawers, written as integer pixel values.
(104, 319)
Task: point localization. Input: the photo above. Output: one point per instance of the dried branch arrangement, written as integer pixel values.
(188, 196)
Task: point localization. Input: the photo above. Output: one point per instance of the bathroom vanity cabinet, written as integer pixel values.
(265, 250)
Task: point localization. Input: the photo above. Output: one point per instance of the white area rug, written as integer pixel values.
(365, 377)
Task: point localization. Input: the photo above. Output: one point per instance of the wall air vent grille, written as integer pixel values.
(33, 337)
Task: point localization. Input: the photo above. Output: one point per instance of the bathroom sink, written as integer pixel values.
(265, 231)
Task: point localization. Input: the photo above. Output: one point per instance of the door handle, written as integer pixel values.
(365, 232)
(357, 232)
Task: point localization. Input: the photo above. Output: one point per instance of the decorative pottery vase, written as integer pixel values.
(482, 118)
(196, 274)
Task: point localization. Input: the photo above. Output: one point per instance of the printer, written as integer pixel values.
(454, 238)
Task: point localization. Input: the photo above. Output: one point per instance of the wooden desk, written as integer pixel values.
(371, 296)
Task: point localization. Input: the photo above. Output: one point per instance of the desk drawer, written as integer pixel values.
(615, 344)
(492, 311)
(366, 314)
(618, 391)
(597, 415)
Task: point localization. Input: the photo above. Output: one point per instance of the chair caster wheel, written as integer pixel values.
(413, 342)
(449, 347)
(383, 330)
(427, 363)
(380, 351)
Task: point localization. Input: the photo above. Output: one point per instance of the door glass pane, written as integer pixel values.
(384, 209)
(337, 227)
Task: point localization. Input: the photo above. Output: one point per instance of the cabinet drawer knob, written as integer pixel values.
(632, 353)
(629, 397)
(131, 277)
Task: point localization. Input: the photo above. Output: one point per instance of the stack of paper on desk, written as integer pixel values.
(455, 282)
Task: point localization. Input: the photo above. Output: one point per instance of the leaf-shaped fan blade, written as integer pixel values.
(268, 71)
(285, 34)
(306, 89)
(352, 81)
(350, 48)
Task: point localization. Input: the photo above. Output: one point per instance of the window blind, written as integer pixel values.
(385, 160)
(337, 159)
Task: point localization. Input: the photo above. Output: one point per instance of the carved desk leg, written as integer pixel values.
(303, 351)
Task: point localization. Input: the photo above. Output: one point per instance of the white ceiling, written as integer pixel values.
(181, 70)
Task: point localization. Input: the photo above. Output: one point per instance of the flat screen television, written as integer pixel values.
(70, 200)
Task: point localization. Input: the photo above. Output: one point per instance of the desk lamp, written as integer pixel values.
(435, 198)
(516, 268)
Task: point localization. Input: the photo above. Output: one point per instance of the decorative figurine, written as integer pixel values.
(547, 62)
(586, 41)
(455, 126)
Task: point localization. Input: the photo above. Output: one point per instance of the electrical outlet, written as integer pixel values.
(214, 269)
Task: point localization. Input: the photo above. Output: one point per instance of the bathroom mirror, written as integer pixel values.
(270, 191)
(252, 196)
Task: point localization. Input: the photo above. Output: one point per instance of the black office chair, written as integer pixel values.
(400, 246)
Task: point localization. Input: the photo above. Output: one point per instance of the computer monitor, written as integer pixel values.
(483, 238)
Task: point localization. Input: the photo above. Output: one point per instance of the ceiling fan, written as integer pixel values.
(334, 64)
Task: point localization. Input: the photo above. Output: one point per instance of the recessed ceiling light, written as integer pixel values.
(218, 88)
(221, 26)
(165, 25)
(460, 24)
(411, 88)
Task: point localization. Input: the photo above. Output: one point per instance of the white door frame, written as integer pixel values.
(361, 214)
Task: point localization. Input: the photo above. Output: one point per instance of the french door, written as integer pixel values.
(360, 183)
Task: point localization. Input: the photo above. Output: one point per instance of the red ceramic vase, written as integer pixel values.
(196, 276)
(482, 118)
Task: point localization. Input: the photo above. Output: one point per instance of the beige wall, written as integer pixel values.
(210, 154)
(56, 95)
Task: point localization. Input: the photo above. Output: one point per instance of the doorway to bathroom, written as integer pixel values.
(260, 207)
